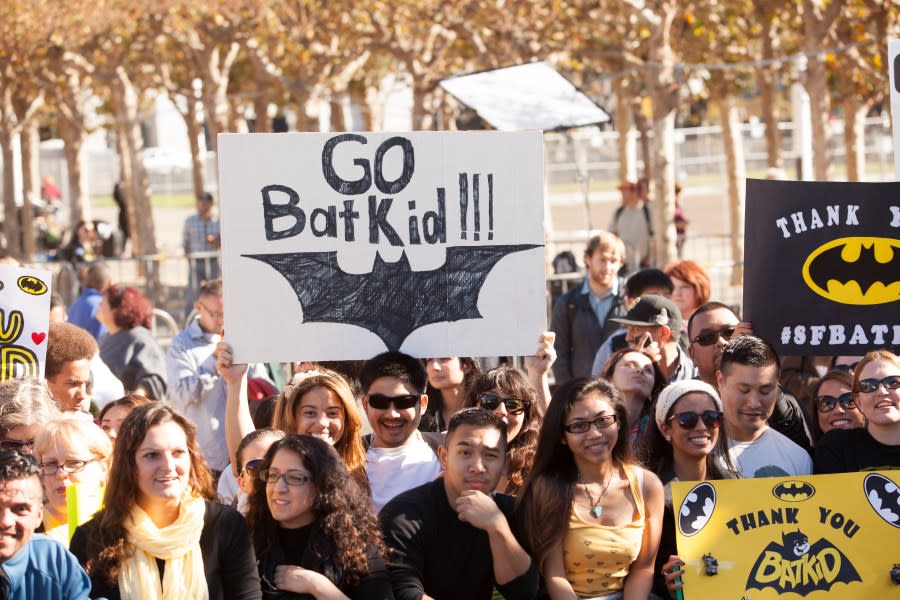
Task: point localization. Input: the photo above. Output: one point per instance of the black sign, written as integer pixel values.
(822, 266)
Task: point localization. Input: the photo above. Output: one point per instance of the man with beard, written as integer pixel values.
(398, 456)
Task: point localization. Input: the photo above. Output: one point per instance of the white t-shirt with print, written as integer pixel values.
(770, 455)
(392, 471)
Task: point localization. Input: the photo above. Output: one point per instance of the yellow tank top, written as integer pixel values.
(597, 557)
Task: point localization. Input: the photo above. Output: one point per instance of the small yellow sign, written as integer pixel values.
(811, 537)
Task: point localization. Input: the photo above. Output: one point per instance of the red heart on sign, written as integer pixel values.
(37, 338)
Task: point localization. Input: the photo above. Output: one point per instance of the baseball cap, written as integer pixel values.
(652, 310)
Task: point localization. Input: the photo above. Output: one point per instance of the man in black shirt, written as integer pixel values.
(451, 537)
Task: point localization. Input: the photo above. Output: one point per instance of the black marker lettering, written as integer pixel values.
(274, 211)
(434, 224)
(409, 165)
(338, 184)
(348, 214)
(378, 212)
(330, 216)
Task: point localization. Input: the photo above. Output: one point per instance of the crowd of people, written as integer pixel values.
(136, 472)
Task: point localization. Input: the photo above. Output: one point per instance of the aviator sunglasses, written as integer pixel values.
(382, 402)
(826, 404)
(867, 386)
(514, 406)
(708, 338)
(688, 420)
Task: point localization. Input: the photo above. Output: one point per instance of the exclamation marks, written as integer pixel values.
(476, 205)
(463, 203)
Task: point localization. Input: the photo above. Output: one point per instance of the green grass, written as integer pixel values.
(157, 201)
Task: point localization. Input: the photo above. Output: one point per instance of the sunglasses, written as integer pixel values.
(867, 386)
(20, 445)
(514, 406)
(382, 402)
(845, 367)
(688, 420)
(291, 478)
(601, 422)
(252, 467)
(708, 338)
(826, 404)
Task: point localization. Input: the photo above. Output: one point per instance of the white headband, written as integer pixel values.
(675, 390)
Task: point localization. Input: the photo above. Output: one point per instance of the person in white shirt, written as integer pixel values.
(748, 384)
(398, 456)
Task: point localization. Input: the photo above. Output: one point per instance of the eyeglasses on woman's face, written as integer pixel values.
(292, 478)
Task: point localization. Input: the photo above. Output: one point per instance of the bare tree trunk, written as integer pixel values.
(855, 138)
(373, 118)
(419, 111)
(193, 132)
(215, 89)
(736, 175)
(10, 213)
(135, 182)
(768, 96)
(73, 149)
(625, 126)
(263, 123)
(820, 112)
(337, 120)
(31, 186)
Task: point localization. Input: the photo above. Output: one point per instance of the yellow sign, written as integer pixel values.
(812, 537)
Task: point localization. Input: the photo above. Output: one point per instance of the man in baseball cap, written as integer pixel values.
(654, 324)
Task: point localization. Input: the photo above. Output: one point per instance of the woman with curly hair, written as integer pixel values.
(129, 348)
(588, 514)
(312, 527)
(319, 403)
(507, 393)
(159, 536)
(639, 379)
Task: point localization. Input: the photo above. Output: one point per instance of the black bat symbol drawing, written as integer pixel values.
(393, 300)
(865, 271)
(696, 509)
(793, 491)
(884, 497)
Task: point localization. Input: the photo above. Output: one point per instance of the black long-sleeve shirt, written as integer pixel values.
(433, 552)
(229, 562)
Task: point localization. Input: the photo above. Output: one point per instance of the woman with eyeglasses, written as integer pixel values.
(638, 379)
(314, 533)
(319, 403)
(448, 379)
(589, 515)
(876, 393)
(684, 442)
(159, 535)
(129, 347)
(833, 406)
(250, 455)
(71, 451)
(506, 392)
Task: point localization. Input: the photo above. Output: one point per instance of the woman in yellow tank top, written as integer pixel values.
(590, 517)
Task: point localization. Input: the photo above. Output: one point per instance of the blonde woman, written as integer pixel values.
(71, 451)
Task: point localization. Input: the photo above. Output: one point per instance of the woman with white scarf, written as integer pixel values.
(159, 537)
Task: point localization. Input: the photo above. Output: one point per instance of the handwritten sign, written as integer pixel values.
(341, 246)
(24, 320)
(823, 265)
(813, 537)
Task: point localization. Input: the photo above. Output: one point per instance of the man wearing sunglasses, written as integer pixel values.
(398, 456)
(748, 385)
(710, 329)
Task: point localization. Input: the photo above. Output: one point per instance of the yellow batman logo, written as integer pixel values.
(32, 285)
(855, 270)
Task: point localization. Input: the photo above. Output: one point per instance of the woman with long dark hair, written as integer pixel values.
(159, 535)
(639, 379)
(587, 496)
(448, 379)
(312, 527)
(507, 393)
(684, 442)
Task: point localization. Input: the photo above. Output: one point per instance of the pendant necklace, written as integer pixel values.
(596, 510)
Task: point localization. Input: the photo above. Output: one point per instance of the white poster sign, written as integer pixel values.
(894, 74)
(24, 321)
(344, 245)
